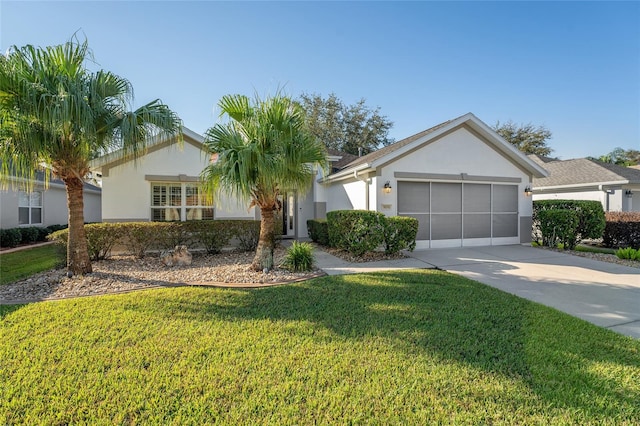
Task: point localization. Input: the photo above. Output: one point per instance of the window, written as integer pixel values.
(30, 208)
(179, 202)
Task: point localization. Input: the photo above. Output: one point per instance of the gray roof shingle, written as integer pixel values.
(581, 171)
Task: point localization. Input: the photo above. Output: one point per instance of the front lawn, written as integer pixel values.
(417, 347)
(21, 264)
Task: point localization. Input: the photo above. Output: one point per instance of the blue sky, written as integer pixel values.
(573, 67)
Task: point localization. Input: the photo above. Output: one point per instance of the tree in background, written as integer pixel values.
(264, 150)
(356, 129)
(629, 157)
(54, 111)
(526, 137)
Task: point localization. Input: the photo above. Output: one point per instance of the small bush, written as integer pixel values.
(10, 237)
(101, 237)
(29, 235)
(318, 230)
(357, 231)
(400, 233)
(43, 233)
(558, 227)
(139, 237)
(591, 220)
(622, 230)
(247, 232)
(211, 234)
(55, 228)
(171, 234)
(299, 257)
(628, 253)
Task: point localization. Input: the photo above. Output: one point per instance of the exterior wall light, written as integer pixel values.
(628, 193)
(387, 188)
(528, 191)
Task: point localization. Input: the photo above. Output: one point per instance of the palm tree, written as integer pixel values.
(263, 150)
(54, 111)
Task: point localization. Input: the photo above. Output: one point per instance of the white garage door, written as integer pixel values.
(457, 214)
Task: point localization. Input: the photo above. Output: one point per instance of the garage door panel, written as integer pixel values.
(446, 197)
(477, 198)
(477, 225)
(446, 226)
(505, 225)
(505, 198)
(413, 197)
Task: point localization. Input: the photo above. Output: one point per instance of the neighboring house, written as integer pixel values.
(461, 180)
(616, 187)
(44, 207)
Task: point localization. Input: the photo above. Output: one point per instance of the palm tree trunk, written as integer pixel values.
(264, 252)
(78, 261)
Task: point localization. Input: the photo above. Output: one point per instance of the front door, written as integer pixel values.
(288, 215)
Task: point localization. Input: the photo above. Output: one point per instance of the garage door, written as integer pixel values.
(455, 214)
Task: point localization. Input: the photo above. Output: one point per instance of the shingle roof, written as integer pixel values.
(581, 171)
(342, 162)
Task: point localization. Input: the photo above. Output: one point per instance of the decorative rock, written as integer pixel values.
(179, 256)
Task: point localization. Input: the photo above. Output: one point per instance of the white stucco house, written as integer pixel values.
(44, 206)
(461, 180)
(616, 187)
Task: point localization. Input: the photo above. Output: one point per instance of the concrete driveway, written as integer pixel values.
(602, 293)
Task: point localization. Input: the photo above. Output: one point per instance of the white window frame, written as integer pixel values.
(30, 206)
(179, 211)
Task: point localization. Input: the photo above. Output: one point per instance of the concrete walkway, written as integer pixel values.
(605, 294)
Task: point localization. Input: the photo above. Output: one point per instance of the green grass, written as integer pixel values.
(24, 263)
(592, 249)
(416, 347)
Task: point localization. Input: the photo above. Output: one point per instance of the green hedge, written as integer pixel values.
(357, 231)
(213, 235)
(10, 237)
(360, 231)
(318, 231)
(138, 238)
(622, 230)
(559, 227)
(400, 233)
(591, 221)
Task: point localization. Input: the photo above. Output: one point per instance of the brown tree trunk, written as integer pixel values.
(78, 261)
(264, 252)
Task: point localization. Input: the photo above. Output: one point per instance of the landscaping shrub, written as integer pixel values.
(247, 232)
(139, 237)
(622, 230)
(299, 257)
(29, 235)
(591, 220)
(101, 237)
(318, 230)
(211, 234)
(558, 226)
(42, 233)
(171, 234)
(628, 253)
(400, 233)
(357, 231)
(54, 228)
(10, 237)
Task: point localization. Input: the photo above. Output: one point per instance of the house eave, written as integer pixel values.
(581, 186)
(346, 173)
